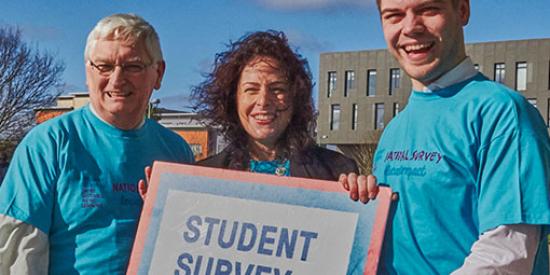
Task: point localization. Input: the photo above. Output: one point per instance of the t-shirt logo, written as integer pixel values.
(411, 163)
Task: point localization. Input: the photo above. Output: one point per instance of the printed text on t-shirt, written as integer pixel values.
(416, 155)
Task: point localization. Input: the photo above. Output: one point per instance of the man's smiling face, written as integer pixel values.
(121, 96)
(425, 36)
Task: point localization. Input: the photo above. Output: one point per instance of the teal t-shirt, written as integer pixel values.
(75, 178)
(464, 160)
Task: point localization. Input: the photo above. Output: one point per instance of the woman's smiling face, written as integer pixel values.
(263, 99)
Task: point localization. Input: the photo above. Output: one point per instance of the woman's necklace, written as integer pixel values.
(280, 170)
(274, 167)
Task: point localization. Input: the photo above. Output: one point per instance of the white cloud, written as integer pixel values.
(314, 4)
(307, 42)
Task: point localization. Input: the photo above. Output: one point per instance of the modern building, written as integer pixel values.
(361, 91)
(64, 103)
(204, 141)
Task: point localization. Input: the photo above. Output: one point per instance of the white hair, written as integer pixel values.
(125, 27)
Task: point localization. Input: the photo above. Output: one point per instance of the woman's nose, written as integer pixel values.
(264, 97)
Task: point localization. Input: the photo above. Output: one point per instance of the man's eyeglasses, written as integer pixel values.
(106, 69)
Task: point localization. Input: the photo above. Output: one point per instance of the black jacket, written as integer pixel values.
(315, 162)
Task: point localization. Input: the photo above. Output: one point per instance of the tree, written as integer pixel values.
(29, 79)
(363, 154)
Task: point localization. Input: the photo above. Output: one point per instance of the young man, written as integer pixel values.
(470, 158)
(69, 202)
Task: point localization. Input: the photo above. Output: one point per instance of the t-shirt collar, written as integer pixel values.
(463, 71)
(100, 118)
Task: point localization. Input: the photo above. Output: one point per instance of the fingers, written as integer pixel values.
(372, 187)
(142, 189)
(343, 180)
(362, 188)
(148, 170)
(395, 196)
(356, 185)
(353, 187)
(144, 184)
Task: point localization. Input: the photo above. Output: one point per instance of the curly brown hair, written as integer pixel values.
(215, 97)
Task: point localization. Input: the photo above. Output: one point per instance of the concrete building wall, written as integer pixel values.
(534, 53)
(73, 100)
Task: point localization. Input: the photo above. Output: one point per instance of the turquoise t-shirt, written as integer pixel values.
(464, 160)
(75, 178)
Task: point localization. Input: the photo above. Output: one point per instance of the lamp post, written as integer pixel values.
(152, 105)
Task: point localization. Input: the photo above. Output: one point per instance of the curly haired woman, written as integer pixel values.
(260, 95)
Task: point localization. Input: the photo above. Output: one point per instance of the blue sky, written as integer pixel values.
(193, 31)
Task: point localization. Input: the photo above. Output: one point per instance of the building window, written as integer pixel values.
(334, 117)
(196, 149)
(533, 101)
(378, 116)
(331, 83)
(476, 66)
(521, 76)
(371, 82)
(395, 80)
(500, 72)
(354, 117)
(350, 82)
(395, 108)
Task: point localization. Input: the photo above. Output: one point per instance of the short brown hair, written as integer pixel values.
(455, 3)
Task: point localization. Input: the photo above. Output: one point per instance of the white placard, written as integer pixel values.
(256, 237)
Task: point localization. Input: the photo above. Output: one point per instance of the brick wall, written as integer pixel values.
(198, 140)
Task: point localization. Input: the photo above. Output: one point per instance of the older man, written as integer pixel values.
(481, 203)
(69, 202)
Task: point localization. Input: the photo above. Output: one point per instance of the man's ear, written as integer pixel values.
(161, 67)
(464, 11)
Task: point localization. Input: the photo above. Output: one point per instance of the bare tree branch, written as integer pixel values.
(29, 79)
(363, 154)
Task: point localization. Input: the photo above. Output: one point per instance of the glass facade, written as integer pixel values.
(371, 82)
(521, 76)
(395, 80)
(331, 83)
(500, 72)
(334, 117)
(354, 116)
(395, 108)
(350, 82)
(378, 116)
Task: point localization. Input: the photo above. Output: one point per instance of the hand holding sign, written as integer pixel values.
(361, 187)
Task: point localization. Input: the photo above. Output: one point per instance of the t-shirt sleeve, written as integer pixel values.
(507, 249)
(189, 157)
(27, 192)
(24, 249)
(513, 178)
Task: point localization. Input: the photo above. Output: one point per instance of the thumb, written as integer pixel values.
(142, 189)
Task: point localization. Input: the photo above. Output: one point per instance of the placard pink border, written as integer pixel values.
(377, 234)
